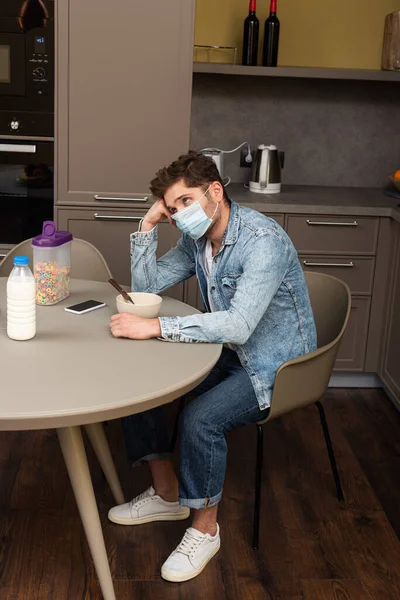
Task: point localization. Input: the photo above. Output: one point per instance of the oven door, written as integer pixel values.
(12, 64)
(26, 190)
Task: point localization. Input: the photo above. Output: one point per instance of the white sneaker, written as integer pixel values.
(147, 507)
(191, 556)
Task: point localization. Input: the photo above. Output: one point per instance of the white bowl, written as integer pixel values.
(146, 305)
(396, 182)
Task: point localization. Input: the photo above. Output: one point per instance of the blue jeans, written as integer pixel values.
(224, 400)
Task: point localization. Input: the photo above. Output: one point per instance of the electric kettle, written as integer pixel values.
(266, 171)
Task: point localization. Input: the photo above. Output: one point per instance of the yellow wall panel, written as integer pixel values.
(314, 33)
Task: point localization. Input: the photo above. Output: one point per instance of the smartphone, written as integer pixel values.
(84, 307)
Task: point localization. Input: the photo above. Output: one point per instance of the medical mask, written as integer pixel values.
(192, 220)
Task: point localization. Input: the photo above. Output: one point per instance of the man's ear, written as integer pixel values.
(218, 191)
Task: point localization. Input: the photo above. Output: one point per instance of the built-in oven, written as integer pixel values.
(26, 190)
(26, 119)
(27, 67)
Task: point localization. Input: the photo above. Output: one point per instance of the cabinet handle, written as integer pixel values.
(352, 224)
(349, 265)
(116, 199)
(19, 148)
(116, 217)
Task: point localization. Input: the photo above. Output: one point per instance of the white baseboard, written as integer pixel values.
(355, 380)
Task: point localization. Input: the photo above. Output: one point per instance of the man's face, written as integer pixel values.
(179, 197)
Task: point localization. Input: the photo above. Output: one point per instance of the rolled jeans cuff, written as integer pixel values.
(201, 502)
(146, 238)
(144, 459)
(170, 328)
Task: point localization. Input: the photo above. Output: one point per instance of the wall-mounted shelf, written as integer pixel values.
(297, 72)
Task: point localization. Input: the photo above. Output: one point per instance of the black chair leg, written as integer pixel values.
(174, 437)
(256, 525)
(329, 447)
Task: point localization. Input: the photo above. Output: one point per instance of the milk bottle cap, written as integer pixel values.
(20, 261)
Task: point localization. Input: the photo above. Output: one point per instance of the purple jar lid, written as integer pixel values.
(51, 237)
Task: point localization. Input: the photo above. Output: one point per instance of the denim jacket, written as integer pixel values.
(257, 286)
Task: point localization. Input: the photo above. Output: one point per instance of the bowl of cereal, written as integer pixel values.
(145, 305)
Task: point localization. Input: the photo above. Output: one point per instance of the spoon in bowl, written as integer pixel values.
(124, 294)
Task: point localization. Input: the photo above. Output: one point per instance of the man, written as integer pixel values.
(257, 305)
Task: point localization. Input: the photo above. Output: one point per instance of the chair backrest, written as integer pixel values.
(24, 249)
(86, 261)
(303, 380)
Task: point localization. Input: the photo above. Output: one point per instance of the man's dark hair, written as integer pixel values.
(194, 169)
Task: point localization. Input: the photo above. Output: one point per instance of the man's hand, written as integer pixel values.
(131, 326)
(158, 212)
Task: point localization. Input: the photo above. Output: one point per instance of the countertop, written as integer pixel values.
(369, 202)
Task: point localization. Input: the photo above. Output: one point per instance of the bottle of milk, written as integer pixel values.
(21, 306)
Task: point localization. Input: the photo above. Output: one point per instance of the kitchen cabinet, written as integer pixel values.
(358, 272)
(346, 248)
(330, 234)
(123, 88)
(109, 231)
(351, 355)
(390, 369)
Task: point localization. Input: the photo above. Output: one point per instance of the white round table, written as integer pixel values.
(74, 372)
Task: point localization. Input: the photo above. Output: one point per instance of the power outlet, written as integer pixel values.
(243, 154)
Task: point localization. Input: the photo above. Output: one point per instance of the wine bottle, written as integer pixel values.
(271, 38)
(250, 36)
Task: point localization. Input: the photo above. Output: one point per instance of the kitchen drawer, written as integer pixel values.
(5, 249)
(279, 218)
(351, 356)
(322, 234)
(357, 272)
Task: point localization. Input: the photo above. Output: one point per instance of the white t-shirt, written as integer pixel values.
(207, 261)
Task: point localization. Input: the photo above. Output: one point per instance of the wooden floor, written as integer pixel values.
(311, 547)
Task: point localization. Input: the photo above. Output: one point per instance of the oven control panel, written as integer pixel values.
(39, 65)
